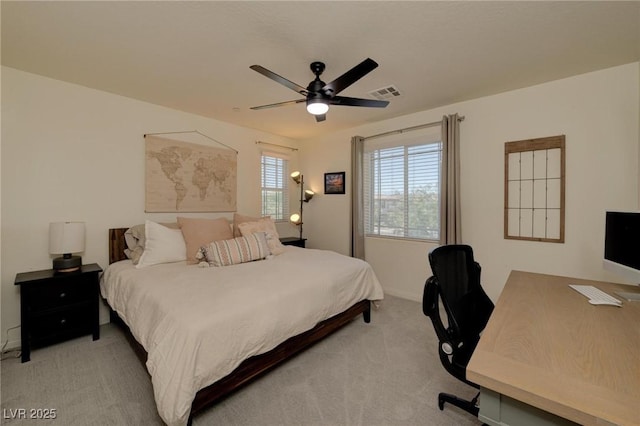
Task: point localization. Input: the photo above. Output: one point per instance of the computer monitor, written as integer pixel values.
(622, 244)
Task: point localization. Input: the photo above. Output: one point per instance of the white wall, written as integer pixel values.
(599, 114)
(73, 153)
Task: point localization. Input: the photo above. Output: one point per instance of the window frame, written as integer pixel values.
(281, 176)
(432, 150)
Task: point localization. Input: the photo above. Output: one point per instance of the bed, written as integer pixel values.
(194, 357)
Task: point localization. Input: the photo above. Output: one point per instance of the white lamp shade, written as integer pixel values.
(66, 237)
(295, 218)
(308, 194)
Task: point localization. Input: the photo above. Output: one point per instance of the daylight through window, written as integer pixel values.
(402, 189)
(275, 195)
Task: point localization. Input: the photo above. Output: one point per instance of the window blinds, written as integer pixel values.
(402, 185)
(275, 190)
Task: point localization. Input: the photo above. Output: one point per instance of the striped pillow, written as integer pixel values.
(237, 250)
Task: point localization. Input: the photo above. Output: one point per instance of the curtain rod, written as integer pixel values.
(191, 131)
(408, 129)
(273, 144)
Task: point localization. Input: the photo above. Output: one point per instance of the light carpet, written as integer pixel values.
(386, 372)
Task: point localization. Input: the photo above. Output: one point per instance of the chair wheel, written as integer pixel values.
(440, 403)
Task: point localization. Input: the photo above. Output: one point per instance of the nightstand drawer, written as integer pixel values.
(54, 294)
(56, 306)
(60, 324)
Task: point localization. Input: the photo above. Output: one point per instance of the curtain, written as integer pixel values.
(357, 200)
(450, 221)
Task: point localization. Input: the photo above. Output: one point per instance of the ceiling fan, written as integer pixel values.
(319, 95)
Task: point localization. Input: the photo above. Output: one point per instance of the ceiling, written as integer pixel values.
(195, 56)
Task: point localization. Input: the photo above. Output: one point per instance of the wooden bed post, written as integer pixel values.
(367, 313)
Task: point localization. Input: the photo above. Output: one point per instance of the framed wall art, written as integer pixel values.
(534, 189)
(187, 177)
(334, 183)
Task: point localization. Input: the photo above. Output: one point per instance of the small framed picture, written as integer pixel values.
(334, 183)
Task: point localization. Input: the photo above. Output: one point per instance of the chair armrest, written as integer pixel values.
(431, 308)
(430, 296)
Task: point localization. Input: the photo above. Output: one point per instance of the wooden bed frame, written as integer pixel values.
(255, 366)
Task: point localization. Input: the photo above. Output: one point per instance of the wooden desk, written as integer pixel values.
(547, 347)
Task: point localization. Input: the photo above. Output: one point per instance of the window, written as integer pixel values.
(275, 191)
(402, 189)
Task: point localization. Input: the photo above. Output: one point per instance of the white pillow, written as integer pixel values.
(162, 245)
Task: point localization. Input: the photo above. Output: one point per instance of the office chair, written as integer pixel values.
(456, 282)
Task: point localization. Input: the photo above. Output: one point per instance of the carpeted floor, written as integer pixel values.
(383, 373)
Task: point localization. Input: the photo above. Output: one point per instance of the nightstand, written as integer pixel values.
(293, 241)
(58, 306)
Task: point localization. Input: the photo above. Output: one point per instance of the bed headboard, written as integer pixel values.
(117, 244)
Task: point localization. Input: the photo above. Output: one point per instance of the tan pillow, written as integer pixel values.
(267, 226)
(134, 237)
(238, 219)
(134, 254)
(200, 232)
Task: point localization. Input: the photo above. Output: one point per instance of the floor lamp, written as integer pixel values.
(305, 196)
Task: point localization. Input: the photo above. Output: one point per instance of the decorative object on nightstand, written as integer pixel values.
(66, 238)
(56, 307)
(305, 197)
(293, 241)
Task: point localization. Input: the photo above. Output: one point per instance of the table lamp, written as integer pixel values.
(66, 238)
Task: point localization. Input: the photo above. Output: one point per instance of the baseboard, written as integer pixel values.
(403, 294)
(13, 345)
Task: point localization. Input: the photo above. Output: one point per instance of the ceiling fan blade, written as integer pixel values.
(279, 79)
(321, 117)
(350, 77)
(297, 101)
(372, 103)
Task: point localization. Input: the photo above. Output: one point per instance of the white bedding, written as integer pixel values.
(198, 324)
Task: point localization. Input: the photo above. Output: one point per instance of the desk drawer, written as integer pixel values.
(49, 295)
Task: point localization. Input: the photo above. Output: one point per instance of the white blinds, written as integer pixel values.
(275, 190)
(402, 185)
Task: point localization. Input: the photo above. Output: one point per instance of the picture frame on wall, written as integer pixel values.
(334, 183)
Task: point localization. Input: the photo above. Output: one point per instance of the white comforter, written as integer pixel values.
(198, 324)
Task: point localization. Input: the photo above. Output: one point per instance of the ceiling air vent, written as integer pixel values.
(385, 93)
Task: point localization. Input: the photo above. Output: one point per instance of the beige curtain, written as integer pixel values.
(357, 199)
(450, 221)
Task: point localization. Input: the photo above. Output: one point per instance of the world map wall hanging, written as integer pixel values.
(187, 177)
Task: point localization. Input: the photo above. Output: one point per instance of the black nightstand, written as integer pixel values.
(58, 306)
(293, 241)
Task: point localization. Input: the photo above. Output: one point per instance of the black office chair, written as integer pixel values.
(456, 281)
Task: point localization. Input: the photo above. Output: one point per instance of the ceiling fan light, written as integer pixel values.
(317, 107)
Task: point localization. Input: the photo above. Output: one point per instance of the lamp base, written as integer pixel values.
(67, 264)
